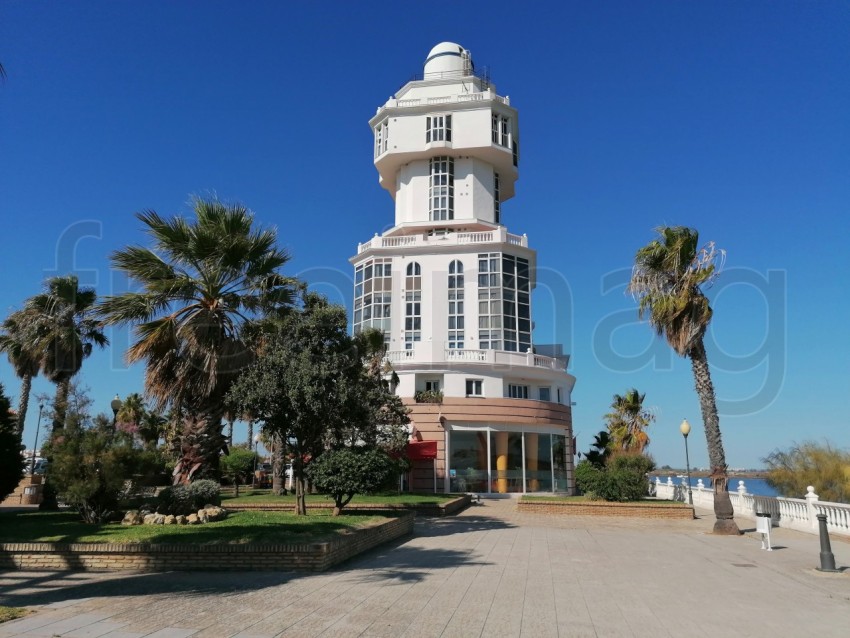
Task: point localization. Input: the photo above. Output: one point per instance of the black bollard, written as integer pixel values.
(827, 558)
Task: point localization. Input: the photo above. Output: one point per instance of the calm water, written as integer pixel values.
(754, 485)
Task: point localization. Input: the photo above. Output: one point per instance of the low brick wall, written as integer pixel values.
(438, 509)
(601, 508)
(143, 557)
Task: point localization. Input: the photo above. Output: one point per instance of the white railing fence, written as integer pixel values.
(794, 513)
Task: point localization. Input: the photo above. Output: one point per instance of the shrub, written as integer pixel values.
(348, 471)
(188, 499)
(94, 469)
(428, 396)
(622, 479)
(588, 476)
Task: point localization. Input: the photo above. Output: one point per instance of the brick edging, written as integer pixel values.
(593, 508)
(442, 509)
(147, 557)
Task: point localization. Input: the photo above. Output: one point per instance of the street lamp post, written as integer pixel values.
(35, 445)
(685, 429)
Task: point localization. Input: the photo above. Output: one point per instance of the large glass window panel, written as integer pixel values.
(506, 462)
(468, 461)
(538, 462)
(559, 456)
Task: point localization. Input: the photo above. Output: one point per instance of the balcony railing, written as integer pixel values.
(449, 239)
(425, 352)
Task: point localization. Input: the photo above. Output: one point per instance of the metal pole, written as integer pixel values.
(35, 445)
(688, 468)
(827, 558)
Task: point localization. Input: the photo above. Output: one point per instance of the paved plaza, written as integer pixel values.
(487, 572)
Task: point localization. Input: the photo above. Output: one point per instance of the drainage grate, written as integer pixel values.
(742, 565)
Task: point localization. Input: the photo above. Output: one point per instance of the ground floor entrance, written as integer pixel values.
(492, 460)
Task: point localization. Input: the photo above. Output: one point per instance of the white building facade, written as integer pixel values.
(451, 289)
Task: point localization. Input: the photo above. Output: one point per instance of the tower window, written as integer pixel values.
(497, 204)
(517, 391)
(382, 135)
(413, 305)
(438, 128)
(489, 302)
(373, 296)
(474, 387)
(501, 130)
(442, 189)
(456, 319)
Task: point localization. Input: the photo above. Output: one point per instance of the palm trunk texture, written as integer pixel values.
(23, 404)
(201, 444)
(723, 511)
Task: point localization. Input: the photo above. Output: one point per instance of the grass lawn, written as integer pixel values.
(583, 499)
(238, 527)
(263, 496)
(10, 613)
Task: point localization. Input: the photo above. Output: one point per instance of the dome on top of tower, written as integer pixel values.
(448, 59)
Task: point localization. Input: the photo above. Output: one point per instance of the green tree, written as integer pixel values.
(204, 284)
(310, 387)
(826, 468)
(92, 466)
(17, 343)
(11, 461)
(135, 418)
(64, 332)
(627, 422)
(344, 472)
(237, 465)
(600, 450)
(668, 279)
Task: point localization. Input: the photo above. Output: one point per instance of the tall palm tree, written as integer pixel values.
(202, 284)
(668, 279)
(628, 420)
(64, 333)
(16, 343)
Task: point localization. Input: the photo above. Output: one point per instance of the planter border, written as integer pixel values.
(446, 508)
(147, 557)
(603, 508)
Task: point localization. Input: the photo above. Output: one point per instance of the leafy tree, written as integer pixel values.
(623, 479)
(135, 418)
(204, 284)
(11, 461)
(627, 422)
(668, 279)
(344, 472)
(826, 468)
(310, 386)
(16, 341)
(92, 466)
(238, 465)
(64, 332)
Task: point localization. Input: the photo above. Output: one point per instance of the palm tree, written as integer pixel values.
(668, 280)
(627, 422)
(64, 332)
(203, 283)
(17, 344)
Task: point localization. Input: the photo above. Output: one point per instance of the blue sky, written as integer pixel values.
(731, 117)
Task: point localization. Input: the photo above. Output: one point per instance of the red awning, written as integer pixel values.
(422, 450)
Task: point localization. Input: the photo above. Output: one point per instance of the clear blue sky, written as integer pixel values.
(731, 117)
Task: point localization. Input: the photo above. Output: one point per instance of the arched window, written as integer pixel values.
(456, 322)
(414, 269)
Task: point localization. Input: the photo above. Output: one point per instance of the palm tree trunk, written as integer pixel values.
(723, 511)
(250, 434)
(23, 403)
(60, 404)
(201, 445)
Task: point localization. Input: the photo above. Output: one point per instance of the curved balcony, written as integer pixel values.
(497, 236)
(494, 358)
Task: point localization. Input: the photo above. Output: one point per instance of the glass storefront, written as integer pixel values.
(517, 462)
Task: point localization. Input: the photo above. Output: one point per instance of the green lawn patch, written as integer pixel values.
(265, 497)
(238, 527)
(11, 613)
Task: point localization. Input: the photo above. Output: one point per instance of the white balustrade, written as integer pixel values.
(455, 354)
(792, 513)
(396, 356)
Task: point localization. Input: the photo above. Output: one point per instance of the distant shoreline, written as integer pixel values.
(759, 474)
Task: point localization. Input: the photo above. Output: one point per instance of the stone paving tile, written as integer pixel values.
(96, 629)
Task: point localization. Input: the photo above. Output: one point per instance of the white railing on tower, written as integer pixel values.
(499, 235)
(447, 99)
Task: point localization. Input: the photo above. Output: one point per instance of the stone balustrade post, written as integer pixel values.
(811, 499)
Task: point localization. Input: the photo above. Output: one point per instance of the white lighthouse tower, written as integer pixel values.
(450, 288)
